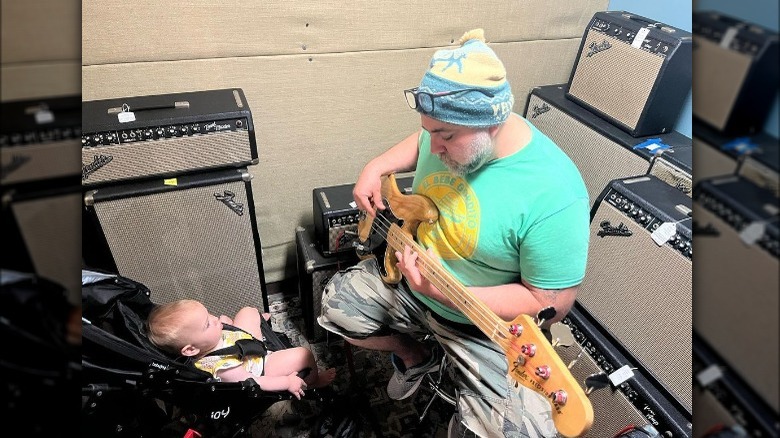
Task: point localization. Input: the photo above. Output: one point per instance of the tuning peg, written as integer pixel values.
(545, 314)
(562, 335)
(596, 381)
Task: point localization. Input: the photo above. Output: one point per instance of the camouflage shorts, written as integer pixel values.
(357, 304)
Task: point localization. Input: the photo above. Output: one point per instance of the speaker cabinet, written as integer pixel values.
(738, 71)
(640, 290)
(716, 155)
(192, 236)
(736, 299)
(723, 402)
(601, 151)
(638, 401)
(164, 135)
(633, 71)
(314, 272)
(42, 232)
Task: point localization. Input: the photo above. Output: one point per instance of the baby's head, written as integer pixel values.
(184, 327)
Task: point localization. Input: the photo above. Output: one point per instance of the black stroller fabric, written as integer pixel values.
(131, 388)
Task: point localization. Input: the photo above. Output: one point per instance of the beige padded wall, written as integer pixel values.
(320, 113)
(40, 48)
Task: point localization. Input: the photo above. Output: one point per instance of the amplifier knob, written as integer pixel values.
(184, 129)
(148, 134)
(172, 131)
(84, 141)
(160, 132)
(195, 128)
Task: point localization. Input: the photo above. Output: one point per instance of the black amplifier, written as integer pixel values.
(738, 62)
(39, 139)
(336, 216)
(165, 135)
(633, 71)
(628, 394)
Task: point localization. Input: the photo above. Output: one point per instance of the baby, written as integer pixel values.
(186, 327)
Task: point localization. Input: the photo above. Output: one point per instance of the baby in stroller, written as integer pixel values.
(232, 350)
(131, 387)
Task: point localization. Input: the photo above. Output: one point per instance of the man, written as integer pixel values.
(513, 228)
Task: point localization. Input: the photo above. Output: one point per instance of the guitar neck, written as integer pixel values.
(475, 310)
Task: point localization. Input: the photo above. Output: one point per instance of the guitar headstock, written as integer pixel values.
(534, 364)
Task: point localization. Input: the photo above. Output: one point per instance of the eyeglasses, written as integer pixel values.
(424, 100)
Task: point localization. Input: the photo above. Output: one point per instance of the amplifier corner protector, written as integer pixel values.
(89, 198)
(245, 175)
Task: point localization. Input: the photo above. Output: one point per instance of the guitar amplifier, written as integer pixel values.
(738, 62)
(39, 139)
(724, 402)
(638, 401)
(164, 135)
(717, 155)
(638, 278)
(633, 71)
(738, 242)
(314, 272)
(601, 151)
(336, 216)
(193, 236)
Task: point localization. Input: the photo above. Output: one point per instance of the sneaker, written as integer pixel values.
(402, 384)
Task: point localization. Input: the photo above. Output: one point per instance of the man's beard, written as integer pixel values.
(480, 151)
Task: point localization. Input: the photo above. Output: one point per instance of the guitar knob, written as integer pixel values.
(528, 350)
(516, 329)
(543, 371)
(559, 397)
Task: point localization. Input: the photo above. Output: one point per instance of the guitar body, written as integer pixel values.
(532, 360)
(410, 210)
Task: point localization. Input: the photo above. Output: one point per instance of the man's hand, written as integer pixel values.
(368, 192)
(408, 265)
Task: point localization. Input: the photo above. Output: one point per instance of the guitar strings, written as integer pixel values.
(484, 315)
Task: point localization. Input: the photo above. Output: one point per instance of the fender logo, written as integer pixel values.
(98, 162)
(16, 162)
(608, 230)
(595, 47)
(227, 198)
(539, 110)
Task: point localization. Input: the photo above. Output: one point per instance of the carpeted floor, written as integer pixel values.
(363, 394)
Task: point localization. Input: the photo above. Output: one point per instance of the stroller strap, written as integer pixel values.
(242, 347)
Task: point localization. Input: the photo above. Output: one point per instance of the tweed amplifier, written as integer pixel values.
(638, 280)
(336, 216)
(164, 135)
(738, 242)
(601, 151)
(39, 139)
(718, 155)
(633, 71)
(724, 402)
(737, 72)
(192, 236)
(636, 399)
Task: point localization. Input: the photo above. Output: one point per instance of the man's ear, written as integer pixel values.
(189, 350)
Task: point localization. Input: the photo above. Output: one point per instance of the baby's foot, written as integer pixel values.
(324, 378)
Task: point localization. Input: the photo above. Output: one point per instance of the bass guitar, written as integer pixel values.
(532, 360)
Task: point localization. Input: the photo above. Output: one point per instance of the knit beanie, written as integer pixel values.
(472, 65)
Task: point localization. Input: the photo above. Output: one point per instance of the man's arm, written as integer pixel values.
(400, 158)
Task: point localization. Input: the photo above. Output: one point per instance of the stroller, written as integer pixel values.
(132, 388)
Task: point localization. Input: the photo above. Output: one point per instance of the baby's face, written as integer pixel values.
(204, 329)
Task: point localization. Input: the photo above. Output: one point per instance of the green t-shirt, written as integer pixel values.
(522, 216)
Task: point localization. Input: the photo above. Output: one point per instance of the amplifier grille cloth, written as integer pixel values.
(641, 293)
(40, 161)
(186, 244)
(668, 173)
(599, 159)
(616, 81)
(51, 229)
(155, 157)
(717, 91)
(735, 327)
(612, 411)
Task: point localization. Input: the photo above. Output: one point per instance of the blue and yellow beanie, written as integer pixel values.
(472, 65)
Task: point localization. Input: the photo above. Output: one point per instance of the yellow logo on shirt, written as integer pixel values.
(456, 232)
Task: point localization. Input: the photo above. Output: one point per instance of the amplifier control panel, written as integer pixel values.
(106, 138)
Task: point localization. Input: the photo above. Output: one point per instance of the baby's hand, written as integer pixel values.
(296, 385)
(225, 319)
